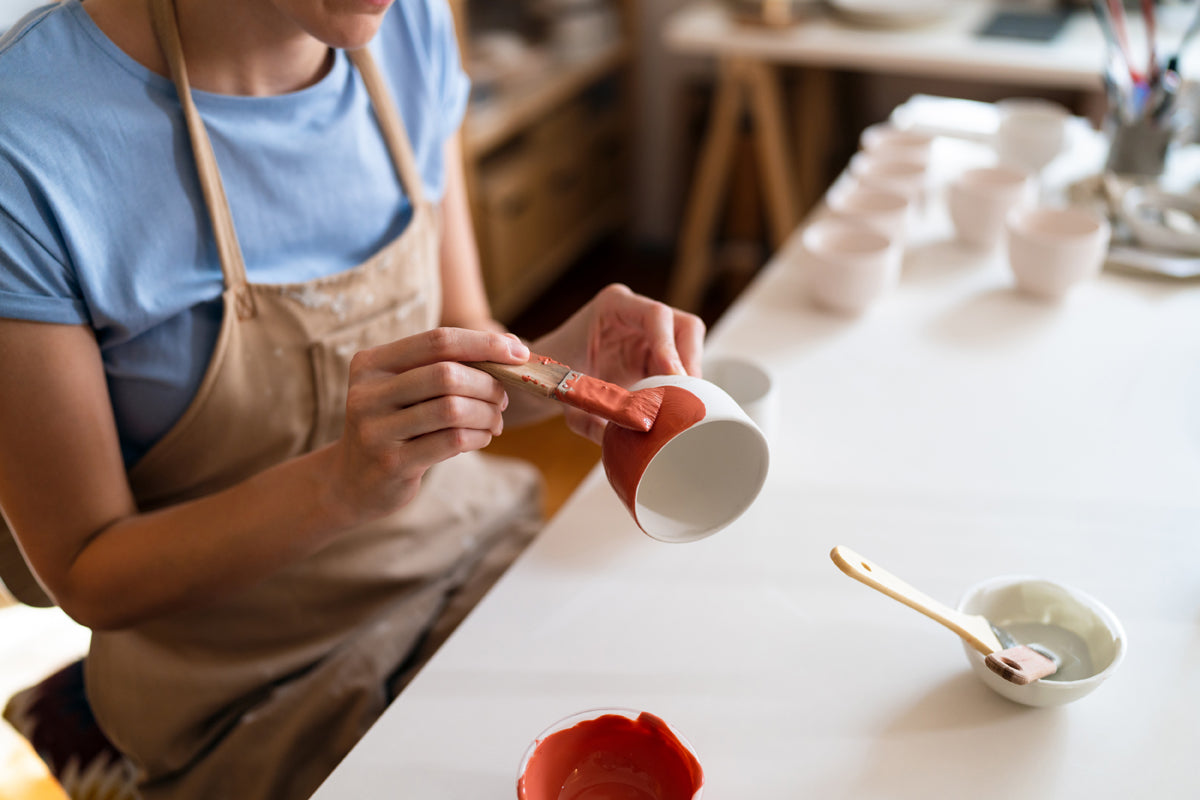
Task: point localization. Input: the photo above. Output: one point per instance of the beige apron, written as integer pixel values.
(262, 693)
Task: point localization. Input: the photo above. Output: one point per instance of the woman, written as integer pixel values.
(236, 436)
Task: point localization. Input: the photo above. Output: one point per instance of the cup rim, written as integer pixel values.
(998, 176)
(1018, 220)
(892, 201)
(814, 236)
(887, 133)
(739, 416)
(864, 163)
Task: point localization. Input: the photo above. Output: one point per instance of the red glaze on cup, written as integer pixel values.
(627, 453)
(611, 757)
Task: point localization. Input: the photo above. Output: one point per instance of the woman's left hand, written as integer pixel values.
(622, 337)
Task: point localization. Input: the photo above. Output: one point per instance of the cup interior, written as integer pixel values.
(610, 753)
(701, 480)
(1055, 224)
(834, 239)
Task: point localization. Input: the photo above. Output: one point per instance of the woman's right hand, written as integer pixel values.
(410, 404)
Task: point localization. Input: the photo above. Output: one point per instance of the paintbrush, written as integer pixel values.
(546, 377)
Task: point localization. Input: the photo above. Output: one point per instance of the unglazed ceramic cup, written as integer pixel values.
(848, 265)
(1079, 629)
(1031, 132)
(884, 210)
(890, 173)
(979, 201)
(1050, 250)
(610, 753)
(749, 383)
(889, 141)
(696, 471)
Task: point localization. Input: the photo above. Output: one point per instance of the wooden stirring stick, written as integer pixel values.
(546, 377)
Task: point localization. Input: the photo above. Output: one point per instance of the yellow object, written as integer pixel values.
(23, 775)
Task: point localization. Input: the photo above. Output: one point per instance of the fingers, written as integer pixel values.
(672, 340)
(689, 340)
(440, 345)
(410, 403)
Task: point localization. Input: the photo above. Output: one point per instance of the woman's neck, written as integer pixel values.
(235, 47)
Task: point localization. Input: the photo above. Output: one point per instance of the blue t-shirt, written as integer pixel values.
(102, 220)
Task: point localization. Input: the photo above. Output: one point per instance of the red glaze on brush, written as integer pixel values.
(612, 757)
(633, 410)
(626, 453)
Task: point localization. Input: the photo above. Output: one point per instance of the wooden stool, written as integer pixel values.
(752, 87)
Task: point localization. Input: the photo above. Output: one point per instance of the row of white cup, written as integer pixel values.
(853, 253)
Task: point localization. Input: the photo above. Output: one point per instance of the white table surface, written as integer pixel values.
(956, 432)
(947, 48)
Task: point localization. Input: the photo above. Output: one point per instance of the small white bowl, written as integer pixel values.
(891, 173)
(980, 199)
(849, 266)
(1050, 250)
(888, 212)
(1031, 133)
(1077, 627)
(886, 139)
(613, 752)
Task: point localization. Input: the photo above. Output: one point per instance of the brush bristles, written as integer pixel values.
(633, 410)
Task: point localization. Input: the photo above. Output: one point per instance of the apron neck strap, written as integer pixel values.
(390, 123)
(233, 267)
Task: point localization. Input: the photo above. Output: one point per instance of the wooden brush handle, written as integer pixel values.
(974, 629)
(538, 375)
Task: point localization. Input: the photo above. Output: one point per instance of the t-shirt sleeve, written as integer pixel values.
(35, 284)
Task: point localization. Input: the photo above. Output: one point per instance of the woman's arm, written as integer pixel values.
(464, 298)
(64, 492)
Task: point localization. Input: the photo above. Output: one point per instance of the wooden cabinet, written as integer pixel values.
(547, 162)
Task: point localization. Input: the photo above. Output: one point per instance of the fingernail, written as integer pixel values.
(517, 348)
(504, 402)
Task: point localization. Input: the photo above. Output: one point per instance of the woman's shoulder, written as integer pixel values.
(56, 53)
(35, 41)
(423, 27)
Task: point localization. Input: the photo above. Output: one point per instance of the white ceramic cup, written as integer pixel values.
(848, 265)
(897, 144)
(883, 210)
(1031, 132)
(890, 173)
(749, 383)
(979, 201)
(610, 752)
(1050, 250)
(1086, 636)
(696, 471)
